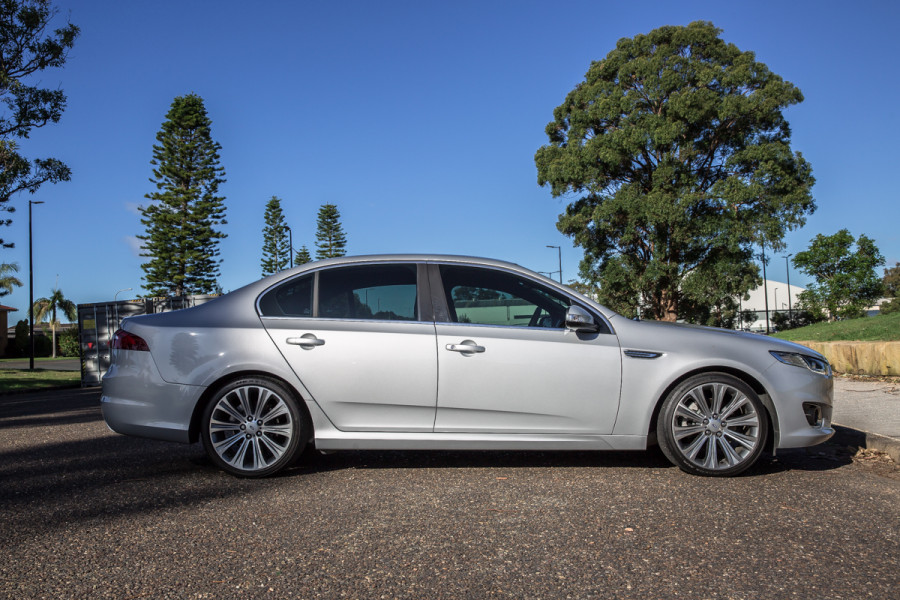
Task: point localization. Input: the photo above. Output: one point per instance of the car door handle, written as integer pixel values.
(305, 342)
(464, 347)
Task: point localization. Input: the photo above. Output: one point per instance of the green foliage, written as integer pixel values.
(8, 281)
(678, 149)
(865, 329)
(845, 280)
(302, 257)
(749, 316)
(785, 320)
(890, 306)
(330, 238)
(70, 343)
(45, 308)
(181, 238)
(27, 49)
(584, 288)
(276, 249)
(891, 280)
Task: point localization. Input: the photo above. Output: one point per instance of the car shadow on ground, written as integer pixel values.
(835, 453)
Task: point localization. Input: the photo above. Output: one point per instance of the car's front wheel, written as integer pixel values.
(253, 427)
(712, 424)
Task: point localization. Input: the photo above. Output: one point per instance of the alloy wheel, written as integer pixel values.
(250, 428)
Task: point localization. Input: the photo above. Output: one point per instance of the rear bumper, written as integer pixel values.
(136, 401)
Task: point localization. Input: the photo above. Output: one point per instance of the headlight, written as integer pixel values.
(813, 363)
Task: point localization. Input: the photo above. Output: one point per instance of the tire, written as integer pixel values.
(712, 424)
(254, 427)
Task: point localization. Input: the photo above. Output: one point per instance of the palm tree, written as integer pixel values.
(44, 307)
(7, 280)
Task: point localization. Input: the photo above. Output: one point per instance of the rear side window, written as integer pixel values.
(379, 292)
(291, 299)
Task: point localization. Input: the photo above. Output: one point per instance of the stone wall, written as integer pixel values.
(861, 358)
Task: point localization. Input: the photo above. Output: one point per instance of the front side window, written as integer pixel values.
(380, 292)
(490, 297)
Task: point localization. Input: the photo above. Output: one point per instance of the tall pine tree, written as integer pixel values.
(275, 250)
(330, 238)
(302, 256)
(181, 240)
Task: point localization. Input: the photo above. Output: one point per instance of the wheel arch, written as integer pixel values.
(771, 414)
(210, 391)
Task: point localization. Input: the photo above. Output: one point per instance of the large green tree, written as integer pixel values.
(276, 250)
(330, 238)
(26, 49)
(46, 309)
(891, 280)
(678, 153)
(181, 220)
(845, 279)
(891, 284)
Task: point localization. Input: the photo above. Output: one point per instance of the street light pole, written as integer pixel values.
(765, 284)
(31, 287)
(290, 244)
(560, 260)
(787, 268)
(776, 301)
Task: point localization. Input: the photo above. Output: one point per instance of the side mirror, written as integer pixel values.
(578, 319)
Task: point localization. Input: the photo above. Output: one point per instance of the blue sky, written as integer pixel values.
(419, 119)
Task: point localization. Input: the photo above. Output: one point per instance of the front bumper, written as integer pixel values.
(797, 395)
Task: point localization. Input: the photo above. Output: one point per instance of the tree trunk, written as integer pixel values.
(668, 308)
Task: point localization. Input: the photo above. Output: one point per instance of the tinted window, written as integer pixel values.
(382, 292)
(489, 297)
(290, 299)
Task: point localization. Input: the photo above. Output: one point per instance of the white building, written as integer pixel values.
(780, 298)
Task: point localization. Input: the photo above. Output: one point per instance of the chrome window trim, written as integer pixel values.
(334, 320)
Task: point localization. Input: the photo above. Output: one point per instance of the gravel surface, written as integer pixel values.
(85, 513)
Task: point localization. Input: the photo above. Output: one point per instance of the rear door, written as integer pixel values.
(362, 342)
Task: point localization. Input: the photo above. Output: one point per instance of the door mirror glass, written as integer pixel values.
(578, 319)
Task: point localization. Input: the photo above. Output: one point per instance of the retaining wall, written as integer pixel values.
(861, 358)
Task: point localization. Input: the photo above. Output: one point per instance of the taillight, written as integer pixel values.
(122, 340)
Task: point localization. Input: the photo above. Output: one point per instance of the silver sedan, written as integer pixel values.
(443, 352)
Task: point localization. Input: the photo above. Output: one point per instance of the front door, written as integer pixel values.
(507, 364)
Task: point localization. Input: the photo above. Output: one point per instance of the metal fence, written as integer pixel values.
(98, 322)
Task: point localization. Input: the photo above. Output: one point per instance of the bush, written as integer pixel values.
(890, 306)
(43, 345)
(70, 343)
(21, 342)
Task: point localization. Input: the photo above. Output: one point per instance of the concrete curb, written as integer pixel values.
(883, 443)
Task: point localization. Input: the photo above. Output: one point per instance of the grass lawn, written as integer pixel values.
(868, 329)
(23, 380)
(37, 359)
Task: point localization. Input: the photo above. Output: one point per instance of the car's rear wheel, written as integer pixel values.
(712, 424)
(254, 427)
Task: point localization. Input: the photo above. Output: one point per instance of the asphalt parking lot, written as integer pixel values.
(85, 513)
